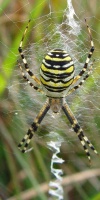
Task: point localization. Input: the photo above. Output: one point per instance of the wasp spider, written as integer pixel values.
(56, 77)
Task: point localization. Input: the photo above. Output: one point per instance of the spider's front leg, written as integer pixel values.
(27, 138)
(85, 67)
(20, 49)
(28, 81)
(76, 127)
(81, 82)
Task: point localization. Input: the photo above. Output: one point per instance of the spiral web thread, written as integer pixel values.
(56, 190)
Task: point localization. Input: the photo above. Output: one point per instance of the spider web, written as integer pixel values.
(66, 30)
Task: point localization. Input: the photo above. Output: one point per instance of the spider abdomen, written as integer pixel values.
(57, 73)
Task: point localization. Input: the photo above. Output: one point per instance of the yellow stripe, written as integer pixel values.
(53, 51)
(56, 85)
(57, 71)
(58, 59)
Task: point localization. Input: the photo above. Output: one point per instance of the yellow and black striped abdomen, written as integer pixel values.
(57, 73)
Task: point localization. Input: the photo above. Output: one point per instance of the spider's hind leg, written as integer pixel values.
(78, 130)
(27, 138)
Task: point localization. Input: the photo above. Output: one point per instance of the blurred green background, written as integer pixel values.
(22, 175)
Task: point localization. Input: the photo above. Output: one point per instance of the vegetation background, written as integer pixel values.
(21, 176)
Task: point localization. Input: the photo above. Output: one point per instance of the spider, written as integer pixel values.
(56, 77)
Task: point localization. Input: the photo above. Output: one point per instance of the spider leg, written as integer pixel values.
(81, 82)
(76, 127)
(28, 81)
(20, 49)
(88, 57)
(27, 138)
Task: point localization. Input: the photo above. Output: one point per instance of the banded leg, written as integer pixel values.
(24, 59)
(28, 81)
(81, 82)
(27, 138)
(76, 127)
(88, 57)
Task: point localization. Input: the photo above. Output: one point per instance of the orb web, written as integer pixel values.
(66, 30)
